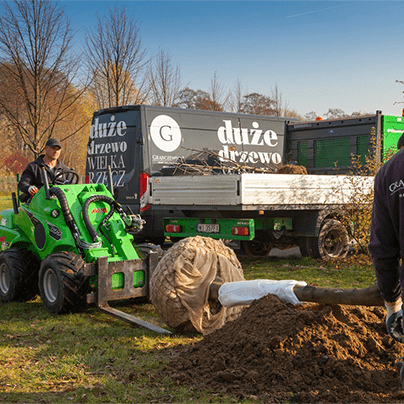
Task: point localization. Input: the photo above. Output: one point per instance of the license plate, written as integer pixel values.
(207, 228)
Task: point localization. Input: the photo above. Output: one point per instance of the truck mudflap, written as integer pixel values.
(106, 292)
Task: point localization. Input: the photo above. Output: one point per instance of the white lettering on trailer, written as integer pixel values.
(243, 136)
(106, 148)
(252, 157)
(101, 177)
(102, 162)
(108, 129)
(104, 154)
(165, 133)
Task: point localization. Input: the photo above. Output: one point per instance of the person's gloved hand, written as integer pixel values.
(394, 320)
(32, 190)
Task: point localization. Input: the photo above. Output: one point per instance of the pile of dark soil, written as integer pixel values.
(277, 352)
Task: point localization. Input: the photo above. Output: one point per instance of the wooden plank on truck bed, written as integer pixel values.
(305, 190)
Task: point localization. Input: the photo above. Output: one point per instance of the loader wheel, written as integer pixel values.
(62, 285)
(257, 248)
(331, 243)
(18, 275)
(179, 285)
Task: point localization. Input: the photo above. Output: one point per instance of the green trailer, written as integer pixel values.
(328, 146)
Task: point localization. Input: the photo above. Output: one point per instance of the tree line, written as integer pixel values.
(49, 89)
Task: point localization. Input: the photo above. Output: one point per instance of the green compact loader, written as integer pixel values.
(73, 245)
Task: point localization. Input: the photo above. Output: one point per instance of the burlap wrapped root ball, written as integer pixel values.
(179, 286)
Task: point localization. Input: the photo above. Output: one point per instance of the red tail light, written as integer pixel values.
(240, 231)
(143, 188)
(87, 179)
(173, 228)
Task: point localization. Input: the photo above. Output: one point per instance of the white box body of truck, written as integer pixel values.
(258, 191)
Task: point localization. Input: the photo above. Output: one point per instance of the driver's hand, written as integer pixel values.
(32, 190)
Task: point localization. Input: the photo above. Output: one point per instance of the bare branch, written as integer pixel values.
(116, 60)
(36, 68)
(164, 80)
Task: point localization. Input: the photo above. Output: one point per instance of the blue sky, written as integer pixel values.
(321, 55)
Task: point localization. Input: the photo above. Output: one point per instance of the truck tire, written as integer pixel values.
(179, 286)
(332, 241)
(18, 275)
(62, 285)
(257, 248)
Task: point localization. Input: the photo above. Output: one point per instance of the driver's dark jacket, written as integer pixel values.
(387, 232)
(32, 174)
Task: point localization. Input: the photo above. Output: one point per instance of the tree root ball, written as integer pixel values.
(179, 286)
(291, 169)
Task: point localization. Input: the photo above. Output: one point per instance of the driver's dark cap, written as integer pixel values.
(53, 142)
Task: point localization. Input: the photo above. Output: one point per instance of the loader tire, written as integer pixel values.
(62, 285)
(332, 241)
(18, 275)
(194, 261)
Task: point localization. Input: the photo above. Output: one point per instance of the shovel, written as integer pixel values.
(243, 293)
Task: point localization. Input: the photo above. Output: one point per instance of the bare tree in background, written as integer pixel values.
(310, 116)
(116, 60)
(164, 80)
(335, 113)
(258, 104)
(280, 106)
(36, 69)
(236, 97)
(219, 97)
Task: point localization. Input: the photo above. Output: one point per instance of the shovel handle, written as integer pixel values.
(357, 297)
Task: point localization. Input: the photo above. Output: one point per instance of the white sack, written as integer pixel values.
(243, 293)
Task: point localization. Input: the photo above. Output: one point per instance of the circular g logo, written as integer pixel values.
(165, 133)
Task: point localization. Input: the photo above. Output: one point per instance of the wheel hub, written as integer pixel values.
(50, 285)
(5, 278)
(331, 242)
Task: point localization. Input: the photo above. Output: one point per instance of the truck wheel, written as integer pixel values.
(331, 243)
(257, 248)
(62, 285)
(179, 285)
(18, 275)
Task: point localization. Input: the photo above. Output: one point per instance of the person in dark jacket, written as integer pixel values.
(31, 178)
(400, 143)
(386, 244)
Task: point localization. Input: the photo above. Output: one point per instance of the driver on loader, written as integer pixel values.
(31, 179)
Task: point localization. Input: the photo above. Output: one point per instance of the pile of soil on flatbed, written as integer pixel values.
(308, 353)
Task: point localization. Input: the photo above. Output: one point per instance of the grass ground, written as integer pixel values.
(90, 357)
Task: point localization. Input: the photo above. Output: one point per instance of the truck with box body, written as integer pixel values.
(206, 173)
(140, 142)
